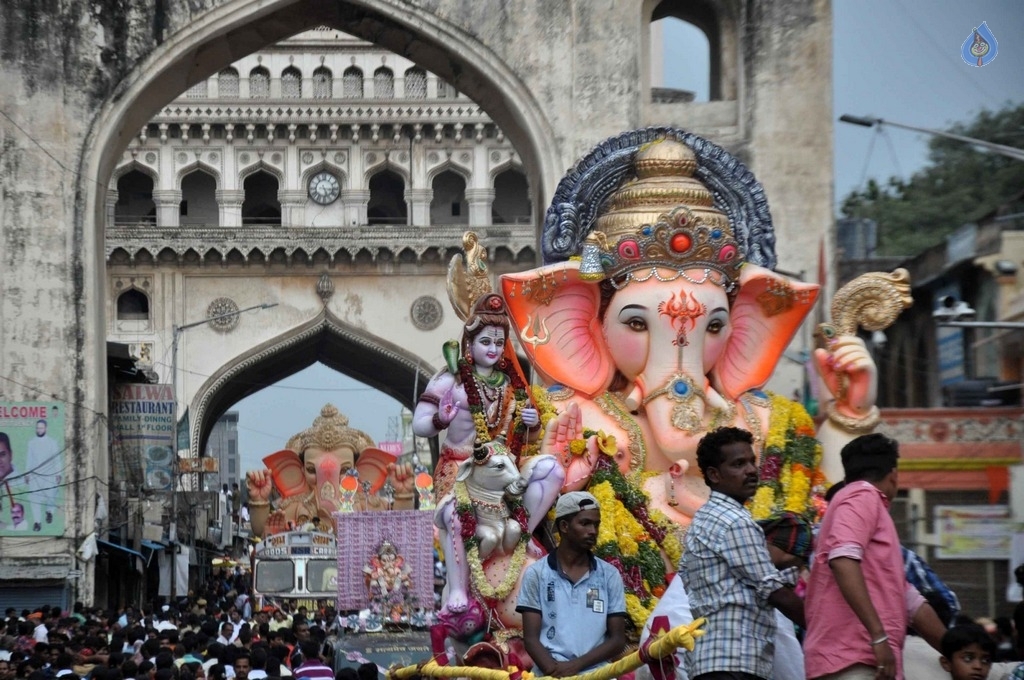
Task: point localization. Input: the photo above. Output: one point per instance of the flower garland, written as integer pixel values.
(467, 521)
(791, 476)
(517, 436)
(631, 536)
(546, 411)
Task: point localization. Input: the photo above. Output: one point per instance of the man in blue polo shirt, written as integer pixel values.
(573, 604)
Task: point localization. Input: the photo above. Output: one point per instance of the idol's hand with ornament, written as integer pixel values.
(259, 484)
(563, 439)
(402, 478)
(530, 417)
(447, 409)
(850, 375)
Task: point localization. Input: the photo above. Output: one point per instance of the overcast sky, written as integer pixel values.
(893, 59)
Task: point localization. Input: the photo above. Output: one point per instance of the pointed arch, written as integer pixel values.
(192, 167)
(324, 338)
(134, 164)
(261, 166)
(385, 165)
(324, 164)
(450, 165)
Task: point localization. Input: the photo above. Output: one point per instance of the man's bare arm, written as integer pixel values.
(789, 603)
(850, 579)
(532, 622)
(928, 625)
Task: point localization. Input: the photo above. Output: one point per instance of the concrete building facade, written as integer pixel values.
(82, 84)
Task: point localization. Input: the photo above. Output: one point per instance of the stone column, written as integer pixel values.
(480, 201)
(417, 203)
(229, 207)
(356, 201)
(293, 207)
(168, 207)
(111, 207)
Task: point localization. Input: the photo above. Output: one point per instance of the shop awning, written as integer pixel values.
(153, 546)
(113, 546)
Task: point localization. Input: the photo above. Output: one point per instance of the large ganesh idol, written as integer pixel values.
(658, 318)
(327, 468)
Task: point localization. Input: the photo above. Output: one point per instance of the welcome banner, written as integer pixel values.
(34, 469)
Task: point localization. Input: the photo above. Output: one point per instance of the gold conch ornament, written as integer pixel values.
(468, 278)
(871, 301)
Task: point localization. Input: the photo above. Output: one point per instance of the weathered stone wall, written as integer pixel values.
(80, 79)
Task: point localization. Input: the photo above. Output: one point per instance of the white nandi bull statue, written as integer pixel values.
(485, 526)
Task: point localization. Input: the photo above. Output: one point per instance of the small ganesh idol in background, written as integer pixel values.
(388, 583)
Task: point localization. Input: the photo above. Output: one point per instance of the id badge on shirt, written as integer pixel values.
(594, 602)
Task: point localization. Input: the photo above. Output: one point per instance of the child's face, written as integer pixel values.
(970, 663)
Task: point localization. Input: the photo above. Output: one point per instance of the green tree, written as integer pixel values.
(960, 184)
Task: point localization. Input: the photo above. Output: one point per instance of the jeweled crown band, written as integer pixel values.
(679, 241)
(664, 219)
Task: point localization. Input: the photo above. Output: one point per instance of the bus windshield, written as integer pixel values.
(322, 576)
(275, 576)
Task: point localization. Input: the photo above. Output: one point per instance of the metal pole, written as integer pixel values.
(172, 531)
(1001, 149)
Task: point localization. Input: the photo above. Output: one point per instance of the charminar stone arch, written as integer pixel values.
(554, 77)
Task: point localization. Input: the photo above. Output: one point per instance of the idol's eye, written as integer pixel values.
(636, 324)
(716, 326)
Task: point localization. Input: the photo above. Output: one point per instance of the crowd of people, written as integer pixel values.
(212, 636)
(866, 609)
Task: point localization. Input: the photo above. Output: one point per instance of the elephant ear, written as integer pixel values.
(765, 316)
(555, 314)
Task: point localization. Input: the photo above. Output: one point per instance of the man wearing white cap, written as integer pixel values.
(573, 604)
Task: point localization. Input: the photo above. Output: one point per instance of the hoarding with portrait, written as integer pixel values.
(34, 469)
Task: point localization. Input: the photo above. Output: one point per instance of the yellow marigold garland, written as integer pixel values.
(638, 613)
(791, 478)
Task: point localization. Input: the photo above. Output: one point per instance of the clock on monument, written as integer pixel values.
(324, 188)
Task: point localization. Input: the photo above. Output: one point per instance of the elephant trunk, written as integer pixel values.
(679, 400)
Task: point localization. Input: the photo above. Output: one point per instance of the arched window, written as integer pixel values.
(291, 83)
(261, 205)
(132, 305)
(323, 83)
(415, 84)
(259, 83)
(227, 83)
(383, 83)
(199, 199)
(387, 199)
(511, 199)
(693, 52)
(197, 91)
(135, 199)
(352, 83)
(448, 206)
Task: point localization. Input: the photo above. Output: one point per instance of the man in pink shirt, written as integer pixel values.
(858, 600)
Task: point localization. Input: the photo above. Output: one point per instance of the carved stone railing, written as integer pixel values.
(288, 110)
(206, 244)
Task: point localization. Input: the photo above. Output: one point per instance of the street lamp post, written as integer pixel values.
(1001, 149)
(172, 532)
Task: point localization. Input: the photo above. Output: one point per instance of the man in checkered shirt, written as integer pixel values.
(727, 570)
